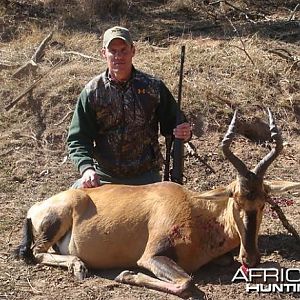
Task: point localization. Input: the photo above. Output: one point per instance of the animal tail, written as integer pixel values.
(24, 250)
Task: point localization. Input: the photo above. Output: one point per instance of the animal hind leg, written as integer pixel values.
(74, 264)
(50, 231)
(170, 277)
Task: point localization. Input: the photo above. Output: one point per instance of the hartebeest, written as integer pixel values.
(161, 227)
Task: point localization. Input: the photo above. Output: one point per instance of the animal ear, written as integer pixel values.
(216, 194)
(279, 186)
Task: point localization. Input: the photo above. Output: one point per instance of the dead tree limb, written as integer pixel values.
(28, 68)
(39, 53)
(283, 53)
(31, 65)
(64, 118)
(235, 7)
(247, 14)
(292, 16)
(30, 88)
(82, 55)
(5, 66)
(275, 207)
(192, 151)
(242, 42)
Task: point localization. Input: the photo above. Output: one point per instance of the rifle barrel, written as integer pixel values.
(181, 76)
(178, 150)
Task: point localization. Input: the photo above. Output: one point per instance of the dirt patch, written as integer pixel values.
(219, 78)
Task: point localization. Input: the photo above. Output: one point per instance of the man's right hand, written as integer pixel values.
(90, 179)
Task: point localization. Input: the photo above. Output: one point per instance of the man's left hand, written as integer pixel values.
(183, 131)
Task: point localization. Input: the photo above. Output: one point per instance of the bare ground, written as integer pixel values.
(34, 166)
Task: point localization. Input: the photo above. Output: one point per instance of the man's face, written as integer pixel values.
(119, 56)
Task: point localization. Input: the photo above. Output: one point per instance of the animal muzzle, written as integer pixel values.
(249, 252)
(251, 260)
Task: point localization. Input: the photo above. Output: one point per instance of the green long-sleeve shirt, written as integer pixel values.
(118, 125)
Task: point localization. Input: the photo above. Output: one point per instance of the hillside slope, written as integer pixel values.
(242, 56)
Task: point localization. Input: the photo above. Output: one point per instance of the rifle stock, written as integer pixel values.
(178, 147)
(169, 142)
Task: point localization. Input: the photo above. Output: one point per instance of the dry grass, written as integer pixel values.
(85, 11)
(219, 76)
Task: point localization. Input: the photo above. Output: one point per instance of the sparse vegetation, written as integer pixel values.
(244, 55)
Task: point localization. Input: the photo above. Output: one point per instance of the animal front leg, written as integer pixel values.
(73, 263)
(171, 278)
(144, 280)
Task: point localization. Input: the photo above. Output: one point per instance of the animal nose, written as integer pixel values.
(251, 260)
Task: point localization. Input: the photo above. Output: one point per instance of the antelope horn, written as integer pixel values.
(263, 165)
(226, 142)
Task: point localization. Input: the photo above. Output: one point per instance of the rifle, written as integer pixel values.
(169, 142)
(178, 150)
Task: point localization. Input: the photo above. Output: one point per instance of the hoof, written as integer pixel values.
(125, 276)
(78, 268)
(24, 253)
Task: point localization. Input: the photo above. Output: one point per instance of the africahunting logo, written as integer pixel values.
(269, 280)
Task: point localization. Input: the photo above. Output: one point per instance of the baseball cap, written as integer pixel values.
(116, 32)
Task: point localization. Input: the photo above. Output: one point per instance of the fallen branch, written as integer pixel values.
(31, 65)
(283, 53)
(39, 53)
(192, 151)
(81, 54)
(246, 13)
(64, 118)
(7, 152)
(30, 88)
(235, 7)
(275, 207)
(34, 290)
(215, 97)
(5, 66)
(292, 16)
(27, 68)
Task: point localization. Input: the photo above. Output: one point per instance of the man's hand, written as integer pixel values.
(183, 131)
(90, 179)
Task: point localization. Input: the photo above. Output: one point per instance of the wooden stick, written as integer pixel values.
(64, 118)
(282, 53)
(247, 14)
(39, 53)
(192, 151)
(81, 54)
(28, 67)
(7, 66)
(235, 7)
(275, 207)
(292, 16)
(34, 290)
(31, 65)
(18, 98)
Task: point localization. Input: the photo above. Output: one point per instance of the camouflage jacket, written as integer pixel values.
(118, 125)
